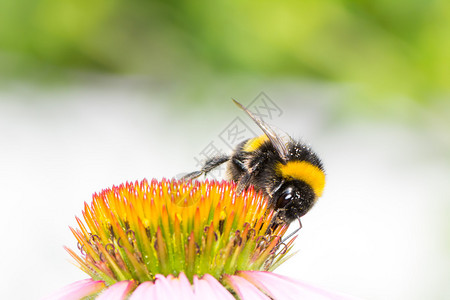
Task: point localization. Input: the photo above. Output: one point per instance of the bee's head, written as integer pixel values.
(302, 183)
(292, 200)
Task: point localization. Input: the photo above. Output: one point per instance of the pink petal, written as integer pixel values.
(77, 290)
(172, 288)
(169, 287)
(144, 291)
(282, 287)
(209, 288)
(117, 291)
(182, 286)
(244, 289)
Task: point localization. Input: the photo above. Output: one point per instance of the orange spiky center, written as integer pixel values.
(137, 230)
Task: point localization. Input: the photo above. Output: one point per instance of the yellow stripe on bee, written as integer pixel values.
(304, 171)
(255, 143)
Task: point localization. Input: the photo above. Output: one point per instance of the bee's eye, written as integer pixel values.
(286, 196)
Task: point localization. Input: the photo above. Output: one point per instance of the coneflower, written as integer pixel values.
(172, 239)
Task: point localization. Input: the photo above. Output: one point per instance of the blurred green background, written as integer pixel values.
(384, 49)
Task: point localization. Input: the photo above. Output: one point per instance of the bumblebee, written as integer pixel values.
(289, 173)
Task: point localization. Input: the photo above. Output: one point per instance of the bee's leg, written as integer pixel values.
(239, 164)
(294, 232)
(274, 222)
(208, 166)
(243, 182)
(245, 179)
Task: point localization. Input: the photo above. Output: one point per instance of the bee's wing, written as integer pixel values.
(277, 143)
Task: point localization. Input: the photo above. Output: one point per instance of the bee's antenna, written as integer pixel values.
(294, 232)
